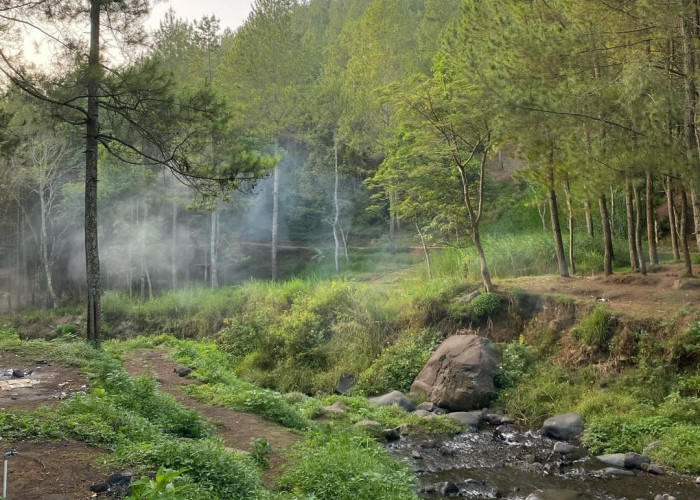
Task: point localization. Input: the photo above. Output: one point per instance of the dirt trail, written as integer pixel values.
(236, 428)
(639, 296)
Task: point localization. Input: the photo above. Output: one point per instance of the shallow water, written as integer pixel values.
(507, 463)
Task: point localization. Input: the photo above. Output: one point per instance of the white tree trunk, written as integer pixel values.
(173, 248)
(275, 219)
(214, 250)
(43, 239)
(336, 207)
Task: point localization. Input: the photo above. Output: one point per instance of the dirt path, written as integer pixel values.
(653, 295)
(236, 428)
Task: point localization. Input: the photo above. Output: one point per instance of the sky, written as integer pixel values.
(232, 13)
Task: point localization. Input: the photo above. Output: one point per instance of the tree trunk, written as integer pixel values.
(631, 240)
(589, 218)
(345, 243)
(173, 248)
(43, 246)
(275, 218)
(683, 236)
(607, 236)
(612, 211)
(392, 224)
(651, 231)
(672, 218)
(570, 209)
(695, 201)
(556, 227)
(92, 255)
(485, 275)
(425, 252)
(638, 232)
(214, 249)
(336, 206)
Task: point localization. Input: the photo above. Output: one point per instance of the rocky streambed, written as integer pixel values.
(500, 461)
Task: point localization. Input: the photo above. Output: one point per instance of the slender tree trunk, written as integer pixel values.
(392, 223)
(214, 249)
(672, 218)
(336, 206)
(683, 233)
(92, 255)
(173, 248)
(570, 210)
(631, 240)
(607, 236)
(612, 211)
(589, 218)
(43, 245)
(275, 217)
(425, 251)
(345, 243)
(541, 210)
(651, 232)
(485, 274)
(695, 201)
(556, 227)
(638, 232)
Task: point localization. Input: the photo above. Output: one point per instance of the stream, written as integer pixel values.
(503, 462)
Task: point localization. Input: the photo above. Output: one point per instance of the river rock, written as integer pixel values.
(614, 459)
(346, 382)
(447, 489)
(654, 469)
(391, 434)
(467, 418)
(182, 370)
(369, 424)
(565, 427)
(459, 374)
(393, 398)
(337, 408)
(424, 414)
(556, 495)
(626, 460)
(432, 408)
(614, 471)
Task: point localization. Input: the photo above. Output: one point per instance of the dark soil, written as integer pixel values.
(52, 471)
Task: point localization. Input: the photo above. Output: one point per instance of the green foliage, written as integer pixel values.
(260, 449)
(623, 432)
(212, 471)
(399, 364)
(478, 309)
(346, 466)
(680, 448)
(596, 329)
(163, 486)
(518, 360)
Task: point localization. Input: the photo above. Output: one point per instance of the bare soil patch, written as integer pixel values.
(236, 428)
(631, 294)
(42, 382)
(52, 471)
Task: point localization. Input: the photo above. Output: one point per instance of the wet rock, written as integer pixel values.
(556, 495)
(467, 418)
(393, 398)
(566, 427)
(497, 419)
(625, 460)
(665, 496)
(616, 472)
(100, 487)
(459, 374)
(391, 434)
(20, 373)
(182, 370)
(119, 483)
(565, 448)
(614, 459)
(447, 489)
(416, 455)
(347, 381)
(697, 480)
(654, 469)
(337, 408)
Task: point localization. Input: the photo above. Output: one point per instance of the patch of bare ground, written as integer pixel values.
(52, 471)
(660, 294)
(29, 383)
(236, 428)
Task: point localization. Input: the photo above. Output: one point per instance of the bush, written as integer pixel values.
(346, 466)
(517, 362)
(596, 329)
(623, 433)
(478, 310)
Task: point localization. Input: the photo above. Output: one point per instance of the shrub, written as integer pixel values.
(346, 466)
(680, 449)
(596, 329)
(517, 362)
(620, 433)
(478, 309)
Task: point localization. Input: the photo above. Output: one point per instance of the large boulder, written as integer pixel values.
(459, 374)
(565, 427)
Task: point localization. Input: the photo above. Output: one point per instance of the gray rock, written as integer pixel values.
(566, 427)
(393, 398)
(347, 381)
(614, 471)
(654, 469)
(337, 408)
(182, 370)
(614, 459)
(467, 418)
(416, 455)
(565, 448)
(635, 460)
(555, 494)
(432, 408)
(459, 374)
(369, 424)
(697, 480)
(424, 413)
